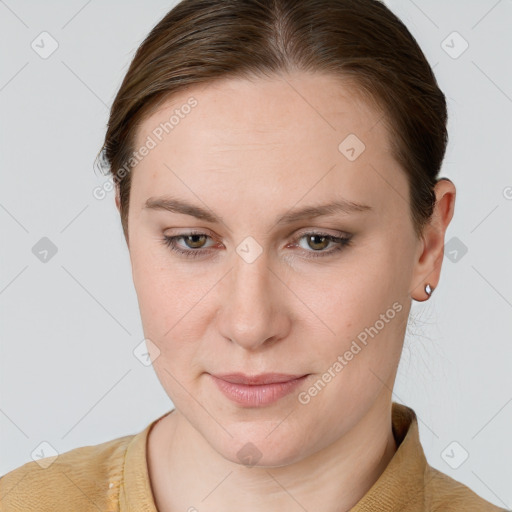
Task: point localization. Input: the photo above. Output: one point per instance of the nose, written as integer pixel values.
(254, 304)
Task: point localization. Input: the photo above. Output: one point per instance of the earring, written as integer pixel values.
(428, 291)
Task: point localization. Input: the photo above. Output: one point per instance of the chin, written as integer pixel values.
(262, 444)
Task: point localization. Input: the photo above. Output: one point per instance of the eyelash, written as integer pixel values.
(170, 242)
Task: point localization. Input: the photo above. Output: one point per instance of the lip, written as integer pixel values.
(257, 390)
(263, 378)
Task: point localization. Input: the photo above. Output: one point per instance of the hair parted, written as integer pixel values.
(360, 41)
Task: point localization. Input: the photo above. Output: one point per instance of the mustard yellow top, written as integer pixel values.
(113, 477)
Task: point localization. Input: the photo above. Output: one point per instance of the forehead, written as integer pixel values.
(286, 137)
(262, 106)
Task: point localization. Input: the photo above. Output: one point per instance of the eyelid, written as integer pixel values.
(341, 241)
(294, 235)
(321, 231)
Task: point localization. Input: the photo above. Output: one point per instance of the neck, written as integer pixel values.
(187, 474)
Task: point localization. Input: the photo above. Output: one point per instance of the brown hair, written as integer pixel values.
(361, 41)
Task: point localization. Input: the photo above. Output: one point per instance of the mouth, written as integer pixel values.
(257, 390)
(263, 378)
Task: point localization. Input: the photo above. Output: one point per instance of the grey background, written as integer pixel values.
(68, 375)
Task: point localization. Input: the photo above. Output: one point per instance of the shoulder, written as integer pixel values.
(80, 479)
(443, 493)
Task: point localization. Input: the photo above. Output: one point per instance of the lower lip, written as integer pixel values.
(257, 395)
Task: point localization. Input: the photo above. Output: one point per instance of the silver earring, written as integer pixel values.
(428, 290)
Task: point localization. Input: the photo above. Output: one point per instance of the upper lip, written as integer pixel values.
(263, 378)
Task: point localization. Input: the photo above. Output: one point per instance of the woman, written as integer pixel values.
(276, 167)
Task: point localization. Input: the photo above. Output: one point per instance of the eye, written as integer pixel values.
(319, 241)
(195, 243)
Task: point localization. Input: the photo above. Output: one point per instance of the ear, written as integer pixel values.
(118, 199)
(431, 250)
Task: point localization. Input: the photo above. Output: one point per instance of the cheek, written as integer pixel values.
(354, 293)
(170, 299)
(364, 302)
(157, 292)
(167, 315)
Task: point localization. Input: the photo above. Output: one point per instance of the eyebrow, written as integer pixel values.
(340, 206)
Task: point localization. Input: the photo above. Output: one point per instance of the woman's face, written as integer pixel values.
(256, 291)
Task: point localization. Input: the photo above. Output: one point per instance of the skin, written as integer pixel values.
(251, 151)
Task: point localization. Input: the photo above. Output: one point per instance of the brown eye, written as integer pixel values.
(318, 242)
(194, 244)
(322, 244)
(194, 241)
(191, 245)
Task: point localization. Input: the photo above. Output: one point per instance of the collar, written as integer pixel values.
(401, 485)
